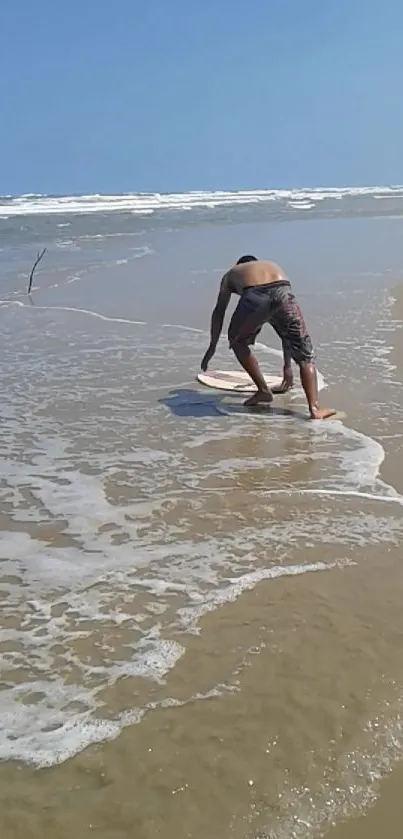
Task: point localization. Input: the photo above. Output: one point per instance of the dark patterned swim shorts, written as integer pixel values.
(272, 303)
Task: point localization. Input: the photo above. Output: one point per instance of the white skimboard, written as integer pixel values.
(236, 381)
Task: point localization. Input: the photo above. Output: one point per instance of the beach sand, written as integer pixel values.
(201, 629)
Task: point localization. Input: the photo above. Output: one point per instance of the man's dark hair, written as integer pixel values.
(246, 258)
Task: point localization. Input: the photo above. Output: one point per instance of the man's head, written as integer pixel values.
(246, 258)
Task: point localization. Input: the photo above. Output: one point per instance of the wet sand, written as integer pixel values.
(237, 764)
(275, 561)
(385, 816)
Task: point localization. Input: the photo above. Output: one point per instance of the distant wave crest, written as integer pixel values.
(148, 203)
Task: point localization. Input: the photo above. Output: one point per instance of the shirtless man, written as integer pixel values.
(266, 297)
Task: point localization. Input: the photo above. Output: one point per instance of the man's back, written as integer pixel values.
(254, 273)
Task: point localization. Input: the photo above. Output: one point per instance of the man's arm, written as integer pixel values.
(217, 320)
(288, 379)
(287, 355)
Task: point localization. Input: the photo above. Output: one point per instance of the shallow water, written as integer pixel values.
(211, 594)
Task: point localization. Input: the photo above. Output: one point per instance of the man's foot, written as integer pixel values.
(322, 413)
(259, 398)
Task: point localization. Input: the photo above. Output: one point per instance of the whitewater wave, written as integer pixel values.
(149, 203)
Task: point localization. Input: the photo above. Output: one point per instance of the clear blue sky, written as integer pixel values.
(166, 95)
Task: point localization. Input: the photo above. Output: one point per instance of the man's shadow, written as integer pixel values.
(189, 402)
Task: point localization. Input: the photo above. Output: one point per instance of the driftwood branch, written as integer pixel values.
(31, 276)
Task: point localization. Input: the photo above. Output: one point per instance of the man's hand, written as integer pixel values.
(207, 358)
(286, 384)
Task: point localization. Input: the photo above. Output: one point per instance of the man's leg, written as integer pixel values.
(245, 325)
(309, 381)
(288, 321)
(249, 363)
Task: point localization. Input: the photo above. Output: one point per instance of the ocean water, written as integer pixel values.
(137, 505)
